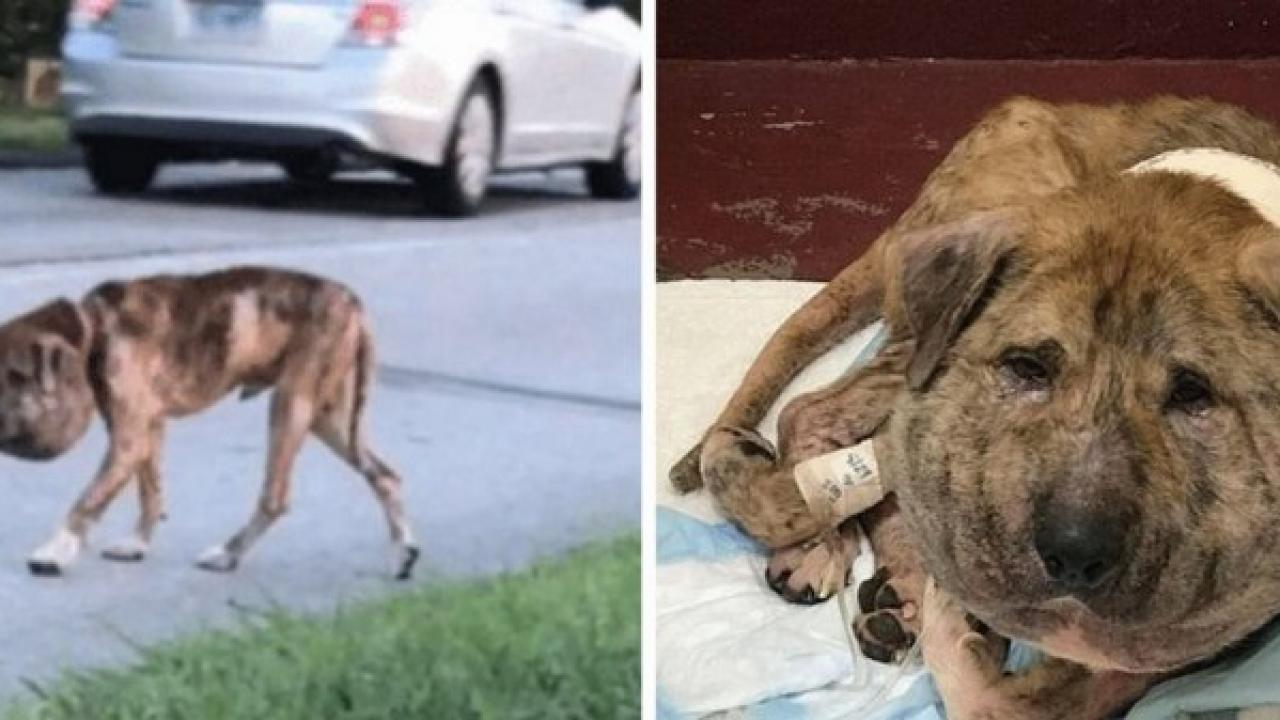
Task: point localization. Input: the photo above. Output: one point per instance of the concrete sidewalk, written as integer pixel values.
(508, 397)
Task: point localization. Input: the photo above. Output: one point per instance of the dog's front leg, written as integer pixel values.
(851, 301)
(129, 448)
(755, 486)
(150, 500)
(967, 667)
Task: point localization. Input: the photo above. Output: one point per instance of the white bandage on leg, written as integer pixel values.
(841, 484)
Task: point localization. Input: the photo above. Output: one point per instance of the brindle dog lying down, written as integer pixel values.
(1077, 413)
(143, 351)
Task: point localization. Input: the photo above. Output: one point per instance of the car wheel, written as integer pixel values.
(457, 187)
(310, 169)
(619, 179)
(119, 167)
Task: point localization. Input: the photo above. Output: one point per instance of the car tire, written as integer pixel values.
(458, 186)
(619, 178)
(120, 167)
(310, 169)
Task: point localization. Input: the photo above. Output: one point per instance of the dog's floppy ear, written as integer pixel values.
(59, 317)
(946, 273)
(1258, 267)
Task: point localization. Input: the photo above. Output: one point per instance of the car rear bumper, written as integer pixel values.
(350, 101)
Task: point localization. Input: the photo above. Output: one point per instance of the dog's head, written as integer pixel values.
(1089, 449)
(45, 398)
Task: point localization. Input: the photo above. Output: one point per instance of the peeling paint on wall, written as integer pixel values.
(790, 124)
(796, 219)
(765, 211)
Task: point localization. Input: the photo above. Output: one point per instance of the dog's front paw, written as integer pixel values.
(686, 474)
(889, 621)
(403, 558)
(732, 457)
(130, 549)
(812, 571)
(54, 557)
(218, 559)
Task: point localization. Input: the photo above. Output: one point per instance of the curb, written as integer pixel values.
(40, 159)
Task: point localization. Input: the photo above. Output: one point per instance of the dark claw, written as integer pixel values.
(40, 568)
(411, 558)
(778, 582)
(779, 585)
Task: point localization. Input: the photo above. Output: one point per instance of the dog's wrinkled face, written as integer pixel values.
(1090, 452)
(45, 399)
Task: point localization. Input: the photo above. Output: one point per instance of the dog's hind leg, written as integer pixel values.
(150, 499)
(341, 426)
(385, 484)
(292, 413)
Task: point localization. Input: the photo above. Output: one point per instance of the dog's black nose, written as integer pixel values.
(1080, 548)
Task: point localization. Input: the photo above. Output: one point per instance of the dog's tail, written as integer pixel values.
(363, 372)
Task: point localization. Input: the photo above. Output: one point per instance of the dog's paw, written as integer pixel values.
(732, 456)
(812, 571)
(889, 622)
(130, 549)
(55, 556)
(404, 557)
(218, 559)
(686, 474)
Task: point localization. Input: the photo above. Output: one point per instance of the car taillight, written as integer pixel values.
(91, 12)
(377, 22)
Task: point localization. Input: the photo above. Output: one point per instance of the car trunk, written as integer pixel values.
(264, 32)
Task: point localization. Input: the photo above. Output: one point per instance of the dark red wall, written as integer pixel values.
(984, 29)
(790, 168)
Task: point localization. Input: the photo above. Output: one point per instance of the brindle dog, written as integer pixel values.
(1077, 413)
(144, 351)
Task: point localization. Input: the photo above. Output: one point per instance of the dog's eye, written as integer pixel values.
(1026, 370)
(1189, 392)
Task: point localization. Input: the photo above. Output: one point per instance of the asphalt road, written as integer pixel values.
(508, 396)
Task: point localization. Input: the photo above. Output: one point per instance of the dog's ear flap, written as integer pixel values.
(947, 273)
(1258, 268)
(60, 317)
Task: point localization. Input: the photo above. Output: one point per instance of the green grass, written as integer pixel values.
(31, 130)
(559, 641)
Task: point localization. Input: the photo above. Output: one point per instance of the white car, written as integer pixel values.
(442, 91)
